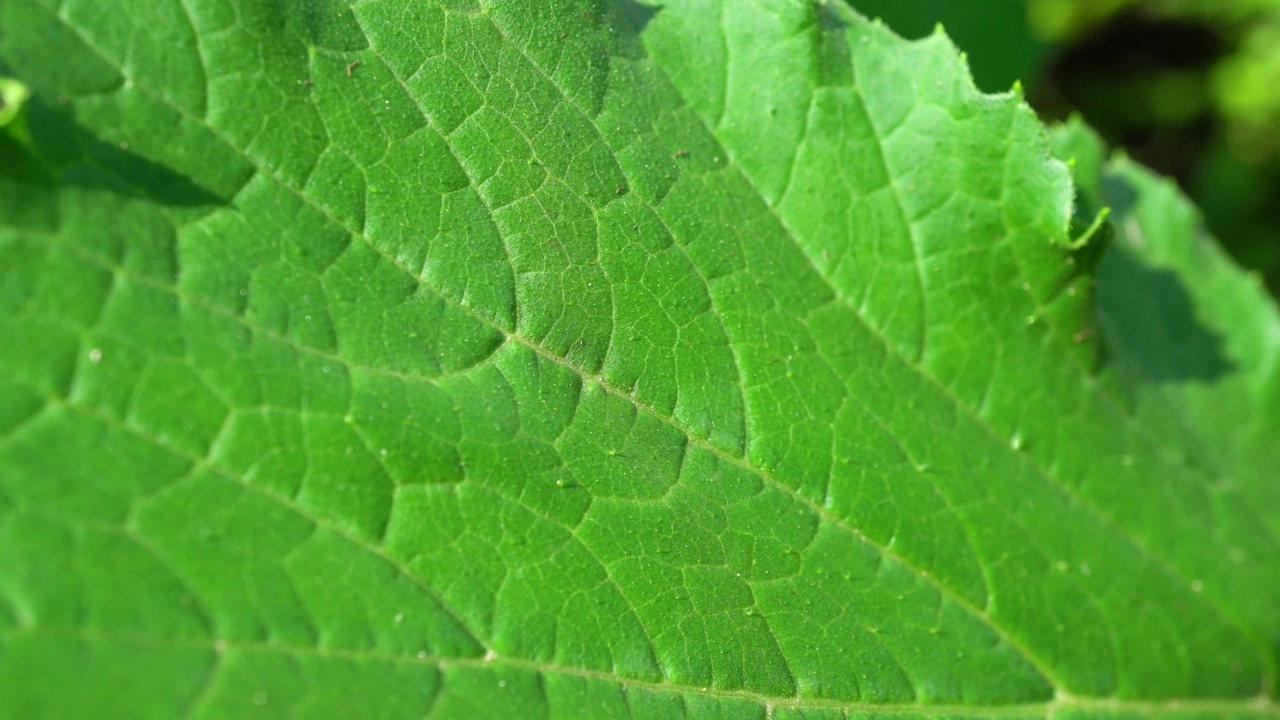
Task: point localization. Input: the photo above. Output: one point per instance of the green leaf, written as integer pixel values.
(459, 359)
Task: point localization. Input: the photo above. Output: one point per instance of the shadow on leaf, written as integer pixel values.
(636, 13)
(60, 151)
(1146, 314)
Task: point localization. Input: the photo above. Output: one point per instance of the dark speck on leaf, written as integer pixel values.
(352, 66)
(622, 190)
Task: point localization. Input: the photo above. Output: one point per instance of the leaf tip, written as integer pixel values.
(1083, 238)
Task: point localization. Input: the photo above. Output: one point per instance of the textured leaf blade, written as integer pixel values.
(507, 358)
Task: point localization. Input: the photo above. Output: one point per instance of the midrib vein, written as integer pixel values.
(1257, 706)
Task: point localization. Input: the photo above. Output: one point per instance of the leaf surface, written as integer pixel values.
(508, 359)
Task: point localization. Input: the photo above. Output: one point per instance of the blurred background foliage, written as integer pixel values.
(1190, 88)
